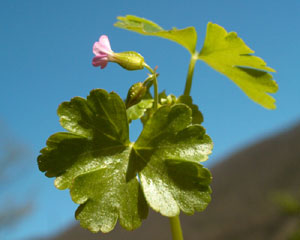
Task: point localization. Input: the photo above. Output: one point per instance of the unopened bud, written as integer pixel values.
(135, 94)
(129, 60)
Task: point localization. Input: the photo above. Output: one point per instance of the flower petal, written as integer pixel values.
(102, 47)
(98, 49)
(104, 42)
(100, 61)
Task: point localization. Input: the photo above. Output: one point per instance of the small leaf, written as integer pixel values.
(137, 111)
(229, 55)
(92, 158)
(197, 115)
(167, 156)
(167, 100)
(171, 100)
(186, 37)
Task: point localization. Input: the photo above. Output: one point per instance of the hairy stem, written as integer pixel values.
(189, 77)
(176, 228)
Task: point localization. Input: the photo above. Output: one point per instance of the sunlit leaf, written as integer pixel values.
(186, 37)
(229, 55)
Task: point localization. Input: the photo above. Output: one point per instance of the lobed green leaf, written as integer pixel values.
(229, 55)
(186, 37)
(174, 144)
(99, 165)
(91, 159)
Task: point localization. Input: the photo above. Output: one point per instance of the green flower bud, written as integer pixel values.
(129, 60)
(135, 94)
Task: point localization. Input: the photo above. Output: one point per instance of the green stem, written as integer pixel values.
(176, 228)
(155, 84)
(189, 78)
(155, 92)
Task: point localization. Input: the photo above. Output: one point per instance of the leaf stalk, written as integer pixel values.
(176, 228)
(189, 78)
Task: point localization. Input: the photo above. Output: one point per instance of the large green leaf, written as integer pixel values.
(229, 55)
(167, 155)
(99, 165)
(91, 159)
(106, 195)
(186, 37)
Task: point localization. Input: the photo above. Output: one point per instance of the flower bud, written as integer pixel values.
(129, 60)
(135, 94)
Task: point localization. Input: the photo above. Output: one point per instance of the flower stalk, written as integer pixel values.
(189, 78)
(155, 84)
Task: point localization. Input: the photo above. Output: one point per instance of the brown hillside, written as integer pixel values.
(241, 208)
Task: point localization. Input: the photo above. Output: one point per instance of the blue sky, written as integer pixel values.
(45, 58)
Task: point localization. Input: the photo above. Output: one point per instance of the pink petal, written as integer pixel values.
(98, 49)
(104, 41)
(102, 47)
(100, 61)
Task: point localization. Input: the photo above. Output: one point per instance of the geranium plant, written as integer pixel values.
(114, 179)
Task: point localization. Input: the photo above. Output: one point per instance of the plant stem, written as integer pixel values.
(155, 85)
(155, 92)
(176, 228)
(189, 77)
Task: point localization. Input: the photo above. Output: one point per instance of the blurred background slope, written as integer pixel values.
(13, 173)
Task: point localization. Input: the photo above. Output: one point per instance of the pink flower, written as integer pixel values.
(103, 52)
